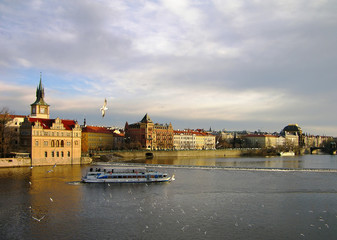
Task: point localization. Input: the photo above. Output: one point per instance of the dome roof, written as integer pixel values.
(292, 128)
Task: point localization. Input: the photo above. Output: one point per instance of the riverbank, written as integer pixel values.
(27, 162)
(219, 153)
(139, 154)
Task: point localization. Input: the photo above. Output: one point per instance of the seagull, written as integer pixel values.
(51, 168)
(104, 108)
(38, 219)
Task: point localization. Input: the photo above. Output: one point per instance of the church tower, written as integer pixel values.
(39, 109)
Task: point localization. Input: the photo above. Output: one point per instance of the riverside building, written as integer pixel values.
(193, 139)
(148, 135)
(97, 139)
(49, 141)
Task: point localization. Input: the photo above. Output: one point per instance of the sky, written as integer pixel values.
(221, 64)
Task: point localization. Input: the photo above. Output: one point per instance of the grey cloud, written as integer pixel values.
(143, 51)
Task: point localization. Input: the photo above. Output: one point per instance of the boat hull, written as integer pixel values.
(124, 180)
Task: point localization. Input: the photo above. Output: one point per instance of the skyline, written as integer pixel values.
(197, 64)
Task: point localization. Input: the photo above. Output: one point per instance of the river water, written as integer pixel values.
(222, 198)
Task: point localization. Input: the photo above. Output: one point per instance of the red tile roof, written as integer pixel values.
(48, 123)
(190, 132)
(92, 129)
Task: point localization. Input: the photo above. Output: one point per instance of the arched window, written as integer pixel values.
(52, 143)
(62, 155)
(57, 143)
(62, 143)
(68, 153)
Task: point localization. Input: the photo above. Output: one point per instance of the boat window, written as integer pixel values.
(90, 169)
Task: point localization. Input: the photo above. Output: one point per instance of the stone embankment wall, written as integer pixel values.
(26, 162)
(15, 162)
(188, 153)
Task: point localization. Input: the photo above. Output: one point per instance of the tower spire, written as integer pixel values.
(40, 108)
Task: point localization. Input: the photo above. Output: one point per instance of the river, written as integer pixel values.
(219, 198)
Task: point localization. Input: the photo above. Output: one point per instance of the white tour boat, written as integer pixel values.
(111, 174)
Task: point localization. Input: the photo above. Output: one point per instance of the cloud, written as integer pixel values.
(266, 61)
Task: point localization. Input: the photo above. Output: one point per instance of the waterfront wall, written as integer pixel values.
(27, 162)
(15, 162)
(189, 153)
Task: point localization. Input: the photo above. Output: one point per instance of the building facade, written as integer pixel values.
(97, 139)
(49, 141)
(263, 140)
(193, 139)
(293, 133)
(148, 135)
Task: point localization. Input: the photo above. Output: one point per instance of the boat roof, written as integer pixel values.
(114, 167)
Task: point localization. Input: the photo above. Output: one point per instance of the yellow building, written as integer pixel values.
(97, 139)
(49, 141)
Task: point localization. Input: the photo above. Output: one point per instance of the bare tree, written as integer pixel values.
(8, 136)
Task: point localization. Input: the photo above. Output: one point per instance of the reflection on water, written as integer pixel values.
(36, 196)
(296, 162)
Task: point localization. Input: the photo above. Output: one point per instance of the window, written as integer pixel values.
(68, 154)
(52, 153)
(76, 143)
(45, 154)
(62, 143)
(36, 143)
(52, 143)
(45, 143)
(62, 154)
(57, 143)
(57, 154)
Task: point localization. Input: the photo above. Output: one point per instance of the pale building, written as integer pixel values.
(184, 140)
(193, 139)
(49, 141)
(264, 140)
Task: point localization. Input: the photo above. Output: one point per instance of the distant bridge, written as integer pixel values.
(332, 151)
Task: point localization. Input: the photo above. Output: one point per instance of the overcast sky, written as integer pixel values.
(235, 65)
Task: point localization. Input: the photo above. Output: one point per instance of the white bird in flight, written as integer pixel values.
(104, 108)
(38, 219)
